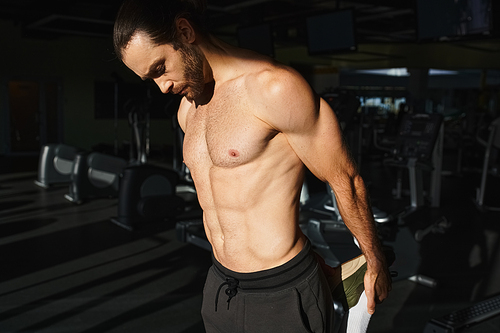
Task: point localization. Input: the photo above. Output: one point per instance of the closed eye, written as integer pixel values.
(159, 71)
(156, 70)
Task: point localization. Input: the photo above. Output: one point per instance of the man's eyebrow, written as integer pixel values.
(152, 69)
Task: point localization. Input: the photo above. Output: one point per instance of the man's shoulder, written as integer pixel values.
(271, 72)
(277, 93)
(270, 80)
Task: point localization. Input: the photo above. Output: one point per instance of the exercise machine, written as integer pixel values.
(418, 148)
(491, 146)
(138, 119)
(148, 193)
(192, 232)
(55, 164)
(457, 320)
(326, 229)
(94, 175)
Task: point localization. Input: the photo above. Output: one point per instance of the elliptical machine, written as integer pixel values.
(55, 164)
(94, 175)
(148, 193)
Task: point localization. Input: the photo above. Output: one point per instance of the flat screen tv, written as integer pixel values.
(450, 19)
(258, 38)
(331, 32)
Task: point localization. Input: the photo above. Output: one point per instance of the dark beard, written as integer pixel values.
(193, 71)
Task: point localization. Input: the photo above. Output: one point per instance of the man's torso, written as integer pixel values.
(247, 177)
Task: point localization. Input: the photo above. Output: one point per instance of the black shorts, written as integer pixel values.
(291, 298)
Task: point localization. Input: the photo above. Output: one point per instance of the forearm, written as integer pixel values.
(354, 207)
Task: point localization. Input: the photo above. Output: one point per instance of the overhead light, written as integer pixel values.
(402, 72)
(385, 71)
(441, 72)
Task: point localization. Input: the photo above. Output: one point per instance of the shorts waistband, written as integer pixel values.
(277, 278)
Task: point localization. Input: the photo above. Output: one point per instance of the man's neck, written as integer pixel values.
(220, 59)
(206, 95)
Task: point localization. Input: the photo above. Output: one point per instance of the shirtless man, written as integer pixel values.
(251, 127)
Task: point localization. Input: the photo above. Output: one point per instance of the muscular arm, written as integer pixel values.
(313, 132)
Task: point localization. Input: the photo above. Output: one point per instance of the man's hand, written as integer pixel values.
(378, 283)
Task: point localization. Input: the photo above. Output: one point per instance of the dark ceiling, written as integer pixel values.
(378, 22)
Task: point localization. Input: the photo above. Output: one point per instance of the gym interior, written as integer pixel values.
(100, 229)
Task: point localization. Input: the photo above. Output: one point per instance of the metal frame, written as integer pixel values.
(490, 144)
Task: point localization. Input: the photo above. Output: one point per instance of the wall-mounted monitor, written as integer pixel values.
(258, 38)
(451, 19)
(331, 32)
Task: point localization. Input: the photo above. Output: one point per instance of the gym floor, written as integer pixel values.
(67, 268)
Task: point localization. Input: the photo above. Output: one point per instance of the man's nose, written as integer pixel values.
(164, 85)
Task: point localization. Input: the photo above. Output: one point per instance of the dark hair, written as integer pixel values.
(157, 19)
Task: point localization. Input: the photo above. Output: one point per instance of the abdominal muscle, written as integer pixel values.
(251, 215)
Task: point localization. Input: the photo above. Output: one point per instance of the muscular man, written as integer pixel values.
(251, 127)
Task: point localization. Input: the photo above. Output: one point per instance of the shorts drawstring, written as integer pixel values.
(231, 291)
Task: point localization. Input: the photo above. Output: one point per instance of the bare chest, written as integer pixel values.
(224, 133)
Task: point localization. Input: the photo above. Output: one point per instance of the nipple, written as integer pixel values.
(234, 153)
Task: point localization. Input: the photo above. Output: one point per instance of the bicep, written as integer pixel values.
(289, 105)
(317, 140)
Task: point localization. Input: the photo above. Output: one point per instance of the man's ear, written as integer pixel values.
(185, 30)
